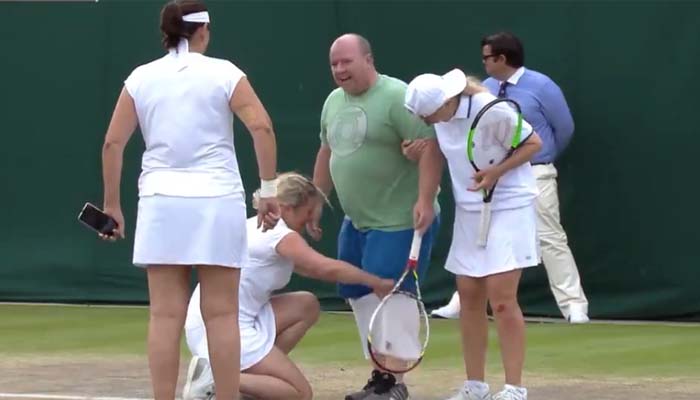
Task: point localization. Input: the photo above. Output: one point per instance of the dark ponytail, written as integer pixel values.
(173, 27)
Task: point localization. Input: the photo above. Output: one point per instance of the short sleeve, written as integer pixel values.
(526, 132)
(274, 236)
(133, 81)
(323, 132)
(232, 75)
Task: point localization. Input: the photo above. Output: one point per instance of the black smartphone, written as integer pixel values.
(95, 219)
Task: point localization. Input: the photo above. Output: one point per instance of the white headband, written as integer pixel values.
(201, 17)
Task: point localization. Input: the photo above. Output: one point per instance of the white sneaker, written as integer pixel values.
(511, 393)
(450, 310)
(577, 315)
(470, 392)
(199, 384)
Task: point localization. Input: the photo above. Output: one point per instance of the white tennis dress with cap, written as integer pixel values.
(192, 203)
(513, 232)
(512, 242)
(265, 272)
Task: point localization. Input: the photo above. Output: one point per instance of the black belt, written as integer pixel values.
(541, 163)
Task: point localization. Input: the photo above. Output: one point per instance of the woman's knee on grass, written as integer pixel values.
(276, 376)
(304, 389)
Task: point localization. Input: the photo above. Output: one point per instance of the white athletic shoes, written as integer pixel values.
(200, 381)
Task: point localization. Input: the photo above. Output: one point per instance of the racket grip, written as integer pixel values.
(484, 223)
(415, 246)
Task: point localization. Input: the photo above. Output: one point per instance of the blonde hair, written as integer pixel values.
(294, 190)
(474, 86)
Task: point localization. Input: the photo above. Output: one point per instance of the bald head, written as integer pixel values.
(352, 63)
(353, 39)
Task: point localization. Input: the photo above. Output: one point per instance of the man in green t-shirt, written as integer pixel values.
(384, 195)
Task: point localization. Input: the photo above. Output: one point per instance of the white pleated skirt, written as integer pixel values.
(191, 231)
(512, 243)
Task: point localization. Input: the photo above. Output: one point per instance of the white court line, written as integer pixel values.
(71, 305)
(60, 397)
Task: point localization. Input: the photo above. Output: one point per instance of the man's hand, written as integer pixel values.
(412, 149)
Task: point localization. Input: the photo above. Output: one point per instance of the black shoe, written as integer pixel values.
(385, 382)
(368, 388)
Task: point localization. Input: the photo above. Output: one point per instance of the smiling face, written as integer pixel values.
(351, 65)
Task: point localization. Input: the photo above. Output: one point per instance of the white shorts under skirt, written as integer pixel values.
(512, 243)
(191, 231)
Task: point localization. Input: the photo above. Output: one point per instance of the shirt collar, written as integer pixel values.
(513, 80)
(463, 108)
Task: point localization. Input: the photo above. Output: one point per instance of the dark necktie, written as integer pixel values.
(502, 89)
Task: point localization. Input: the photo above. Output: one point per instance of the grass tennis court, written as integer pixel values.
(100, 352)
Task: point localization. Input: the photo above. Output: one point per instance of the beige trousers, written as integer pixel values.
(562, 272)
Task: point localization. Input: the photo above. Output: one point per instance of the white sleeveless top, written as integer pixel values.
(266, 270)
(182, 103)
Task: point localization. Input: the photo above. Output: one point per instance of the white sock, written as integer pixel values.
(518, 389)
(362, 309)
(477, 387)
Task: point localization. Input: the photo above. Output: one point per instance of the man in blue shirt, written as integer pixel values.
(544, 107)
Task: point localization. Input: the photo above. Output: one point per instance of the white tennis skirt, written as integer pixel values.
(512, 243)
(257, 337)
(191, 231)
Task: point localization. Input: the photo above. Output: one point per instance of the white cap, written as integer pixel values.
(428, 92)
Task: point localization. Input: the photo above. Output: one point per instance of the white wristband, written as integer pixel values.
(268, 188)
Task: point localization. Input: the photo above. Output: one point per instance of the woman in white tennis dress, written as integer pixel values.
(191, 209)
(271, 325)
(488, 273)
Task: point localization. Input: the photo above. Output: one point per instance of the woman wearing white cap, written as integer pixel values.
(191, 210)
(484, 274)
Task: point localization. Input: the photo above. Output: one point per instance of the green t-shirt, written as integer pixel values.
(376, 185)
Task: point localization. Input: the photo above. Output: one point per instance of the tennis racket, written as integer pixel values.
(398, 329)
(493, 136)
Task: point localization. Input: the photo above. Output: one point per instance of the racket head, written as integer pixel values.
(494, 133)
(399, 332)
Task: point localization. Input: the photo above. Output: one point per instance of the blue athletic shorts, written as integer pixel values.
(383, 254)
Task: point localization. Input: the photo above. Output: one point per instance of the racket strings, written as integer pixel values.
(398, 333)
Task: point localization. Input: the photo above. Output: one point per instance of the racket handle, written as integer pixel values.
(484, 223)
(415, 246)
